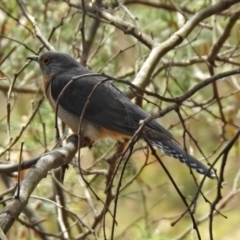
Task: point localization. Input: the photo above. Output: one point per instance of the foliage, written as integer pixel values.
(119, 38)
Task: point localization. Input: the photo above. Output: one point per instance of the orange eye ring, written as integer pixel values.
(45, 60)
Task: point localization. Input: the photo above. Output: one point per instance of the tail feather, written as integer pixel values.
(174, 150)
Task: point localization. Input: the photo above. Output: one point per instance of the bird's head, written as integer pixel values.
(52, 63)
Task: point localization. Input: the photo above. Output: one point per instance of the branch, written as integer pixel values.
(47, 162)
(123, 25)
(161, 49)
(37, 30)
(218, 45)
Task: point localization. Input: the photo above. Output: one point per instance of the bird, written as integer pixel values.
(106, 112)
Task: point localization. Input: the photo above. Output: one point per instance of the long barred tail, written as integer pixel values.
(174, 150)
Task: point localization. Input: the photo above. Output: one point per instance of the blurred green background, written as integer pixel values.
(146, 207)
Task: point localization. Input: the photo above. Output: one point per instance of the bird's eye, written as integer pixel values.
(45, 60)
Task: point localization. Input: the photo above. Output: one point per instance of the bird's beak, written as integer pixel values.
(34, 58)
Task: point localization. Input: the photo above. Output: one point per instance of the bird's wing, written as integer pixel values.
(107, 106)
(111, 109)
